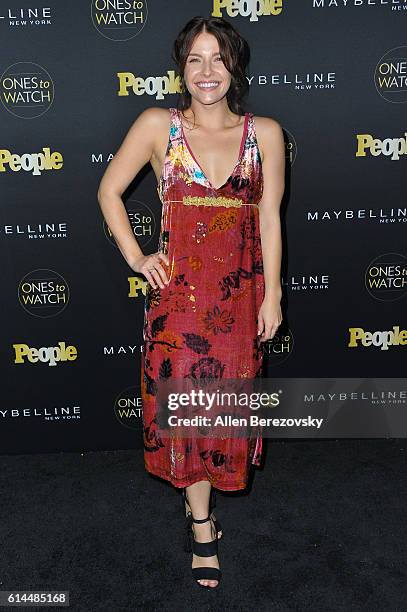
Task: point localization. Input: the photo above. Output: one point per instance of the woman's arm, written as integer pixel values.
(135, 151)
(273, 146)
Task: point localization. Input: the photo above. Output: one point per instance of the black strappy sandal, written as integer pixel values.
(204, 549)
(188, 519)
(216, 522)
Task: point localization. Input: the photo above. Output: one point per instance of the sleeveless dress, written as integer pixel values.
(204, 322)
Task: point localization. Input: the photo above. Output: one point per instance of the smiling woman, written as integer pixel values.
(214, 284)
(207, 316)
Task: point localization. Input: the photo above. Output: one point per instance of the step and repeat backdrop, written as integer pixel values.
(74, 77)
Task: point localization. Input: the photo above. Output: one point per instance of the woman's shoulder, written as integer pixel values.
(155, 122)
(267, 129)
(269, 134)
(267, 123)
(154, 115)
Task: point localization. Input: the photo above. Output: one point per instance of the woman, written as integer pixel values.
(214, 284)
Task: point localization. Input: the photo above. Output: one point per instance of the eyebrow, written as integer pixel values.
(199, 55)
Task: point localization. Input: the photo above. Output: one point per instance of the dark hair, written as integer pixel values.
(234, 51)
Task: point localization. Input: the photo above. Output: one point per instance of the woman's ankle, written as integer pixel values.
(204, 532)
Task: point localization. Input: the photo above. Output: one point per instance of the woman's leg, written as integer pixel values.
(188, 510)
(198, 498)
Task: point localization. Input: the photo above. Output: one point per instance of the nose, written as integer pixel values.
(207, 69)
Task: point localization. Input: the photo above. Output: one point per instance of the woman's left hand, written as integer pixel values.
(269, 318)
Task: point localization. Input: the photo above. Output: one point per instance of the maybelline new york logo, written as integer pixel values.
(389, 147)
(394, 5)
(30, 162)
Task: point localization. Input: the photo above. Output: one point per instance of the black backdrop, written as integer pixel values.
(332, 73)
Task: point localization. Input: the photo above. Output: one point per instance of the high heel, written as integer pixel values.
(188, 519)
(204, 549)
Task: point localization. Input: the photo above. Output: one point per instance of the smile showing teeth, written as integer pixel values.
(208, 85)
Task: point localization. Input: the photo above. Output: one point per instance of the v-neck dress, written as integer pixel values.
(203, 324)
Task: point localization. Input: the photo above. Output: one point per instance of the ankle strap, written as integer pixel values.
(201, 520)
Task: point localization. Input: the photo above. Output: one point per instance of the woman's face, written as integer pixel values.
(205, 74)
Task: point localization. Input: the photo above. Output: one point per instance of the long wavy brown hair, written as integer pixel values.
(234, 51)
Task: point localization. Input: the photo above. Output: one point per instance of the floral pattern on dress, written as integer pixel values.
(202, 326)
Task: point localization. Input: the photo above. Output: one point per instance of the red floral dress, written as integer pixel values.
(204, 322)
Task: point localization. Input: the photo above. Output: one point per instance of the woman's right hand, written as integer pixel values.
(150, 266)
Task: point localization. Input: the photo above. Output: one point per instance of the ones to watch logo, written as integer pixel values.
(280, 347)
(26, 90)
(291, 148)
(43, 293)
(386, 277)
(128, 408)
(119, 20)
(390, 75)
(142, 221)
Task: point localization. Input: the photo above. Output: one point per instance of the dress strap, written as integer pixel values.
(250, 127)
(175, 129)
(173, 135)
